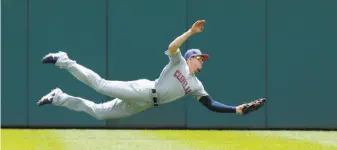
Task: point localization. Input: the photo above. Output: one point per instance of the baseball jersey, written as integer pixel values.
(176, 81)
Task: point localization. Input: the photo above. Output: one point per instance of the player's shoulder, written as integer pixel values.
(198, 82)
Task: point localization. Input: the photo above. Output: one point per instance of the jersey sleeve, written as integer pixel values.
(201, 91)
(175, 58)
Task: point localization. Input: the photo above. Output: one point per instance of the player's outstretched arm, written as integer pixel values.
(197, 27)
(216, 106)
(243, 109)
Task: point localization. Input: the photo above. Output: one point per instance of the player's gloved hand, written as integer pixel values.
(252, 106)
(198, 26)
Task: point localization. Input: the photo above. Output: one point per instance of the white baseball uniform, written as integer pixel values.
(174, 82)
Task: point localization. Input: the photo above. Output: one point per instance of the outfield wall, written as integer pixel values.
(284, 50)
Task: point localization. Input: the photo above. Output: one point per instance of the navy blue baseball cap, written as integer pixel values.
(195, 52)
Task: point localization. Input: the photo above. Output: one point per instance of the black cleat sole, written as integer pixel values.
(49, 60)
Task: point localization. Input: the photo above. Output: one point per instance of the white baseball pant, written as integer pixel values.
(130, 96)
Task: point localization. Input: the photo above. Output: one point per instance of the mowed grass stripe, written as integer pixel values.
(85, 140)
(116, 140)
(30, 140)
(322, 137)
(237, 140)
(152, 139)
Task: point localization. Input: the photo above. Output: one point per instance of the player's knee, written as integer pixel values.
(100, 117)
(104, 117)
(100, 86)
(110, 116)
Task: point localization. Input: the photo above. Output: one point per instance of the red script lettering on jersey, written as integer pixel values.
(181, 78)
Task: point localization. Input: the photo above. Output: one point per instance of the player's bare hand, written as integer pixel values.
(198, 26)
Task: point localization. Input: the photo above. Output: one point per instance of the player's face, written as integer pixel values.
(197, 62)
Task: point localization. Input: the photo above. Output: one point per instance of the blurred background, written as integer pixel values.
(284, 50)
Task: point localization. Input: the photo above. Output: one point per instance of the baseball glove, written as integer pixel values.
(253, 106)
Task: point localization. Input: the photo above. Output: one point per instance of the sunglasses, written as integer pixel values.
(199, 58)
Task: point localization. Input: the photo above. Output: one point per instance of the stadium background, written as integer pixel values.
(283, 50)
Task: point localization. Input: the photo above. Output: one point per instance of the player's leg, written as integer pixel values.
(109, 110)
(118, 89)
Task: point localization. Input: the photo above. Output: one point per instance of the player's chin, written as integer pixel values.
(199, 69)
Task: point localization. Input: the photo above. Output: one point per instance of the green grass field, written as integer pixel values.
(22, 139)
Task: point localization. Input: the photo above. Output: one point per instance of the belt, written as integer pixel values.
(154, 97)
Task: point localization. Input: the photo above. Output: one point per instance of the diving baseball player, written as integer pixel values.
(177, 79)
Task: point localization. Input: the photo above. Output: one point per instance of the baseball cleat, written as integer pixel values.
(51, 58)
(48, 99)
